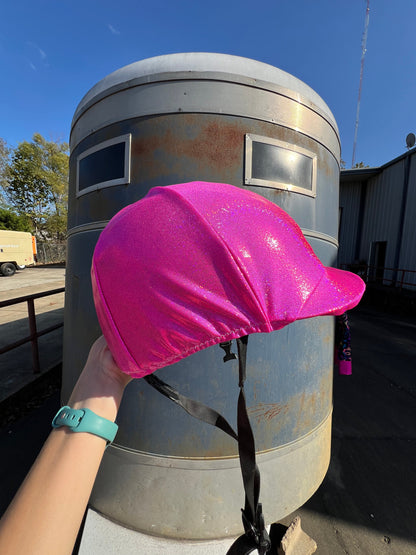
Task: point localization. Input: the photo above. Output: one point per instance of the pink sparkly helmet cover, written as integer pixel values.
(197, 264)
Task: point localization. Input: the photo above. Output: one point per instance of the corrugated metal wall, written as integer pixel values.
(382, 212)
(382, 218)
(349, 202)
(408, 250)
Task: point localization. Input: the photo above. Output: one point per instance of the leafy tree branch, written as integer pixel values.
(34, 184)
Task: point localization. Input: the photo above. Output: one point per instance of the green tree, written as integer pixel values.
(4, 165)
(10, 220)
(37, 185)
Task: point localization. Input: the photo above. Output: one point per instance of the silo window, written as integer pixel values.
(104, 165)
(280, 165)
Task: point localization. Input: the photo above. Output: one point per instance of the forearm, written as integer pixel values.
(47, 511)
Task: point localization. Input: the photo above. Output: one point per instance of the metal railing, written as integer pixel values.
(397, 277)
(34, 333)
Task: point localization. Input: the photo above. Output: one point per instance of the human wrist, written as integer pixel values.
(101, 384)
(98, 393)
(87, 421)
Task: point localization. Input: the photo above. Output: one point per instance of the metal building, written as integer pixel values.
(377, 221)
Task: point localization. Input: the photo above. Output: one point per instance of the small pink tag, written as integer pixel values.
(345, 367)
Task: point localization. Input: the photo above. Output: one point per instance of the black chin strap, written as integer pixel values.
(255, 537)
(194, 408)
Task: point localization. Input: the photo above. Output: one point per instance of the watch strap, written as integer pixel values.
(85, 420)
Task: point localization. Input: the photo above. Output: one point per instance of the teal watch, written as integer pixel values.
(84, 420)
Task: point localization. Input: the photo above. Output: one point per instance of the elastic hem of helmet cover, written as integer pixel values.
(124, 358)
(233, 334)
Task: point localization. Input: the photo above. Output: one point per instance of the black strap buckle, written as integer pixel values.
(226, 346)
(257, 531)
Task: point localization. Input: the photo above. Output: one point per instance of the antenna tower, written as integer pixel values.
(363, 51)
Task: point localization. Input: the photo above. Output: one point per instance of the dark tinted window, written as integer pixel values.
(101, 166)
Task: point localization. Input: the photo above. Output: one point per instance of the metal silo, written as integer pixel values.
(219, 118)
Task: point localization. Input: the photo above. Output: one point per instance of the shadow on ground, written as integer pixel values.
(16, 366)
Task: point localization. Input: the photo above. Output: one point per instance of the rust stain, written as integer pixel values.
(175, 143)
(267, 411)
(217, 143)
(326, 167)
(311, 404)
(279, 192)
(168, 145)
(146, 145)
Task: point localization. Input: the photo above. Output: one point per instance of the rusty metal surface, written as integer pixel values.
(190, 130)
(201, 499)
(205, 97)
(81, 325)
(178, 148)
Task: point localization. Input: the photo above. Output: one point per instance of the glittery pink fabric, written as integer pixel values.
(195, 264)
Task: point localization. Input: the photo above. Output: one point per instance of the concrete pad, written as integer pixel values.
(101, 535)
(36, 279)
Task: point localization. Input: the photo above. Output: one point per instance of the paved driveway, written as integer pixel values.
(16, 365)
(36, 278)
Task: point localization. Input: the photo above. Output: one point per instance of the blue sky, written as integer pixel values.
(53, 52)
